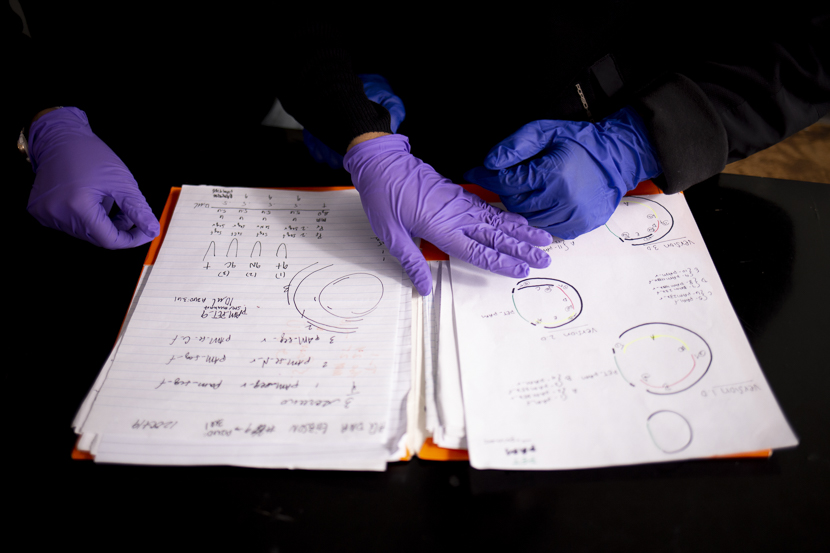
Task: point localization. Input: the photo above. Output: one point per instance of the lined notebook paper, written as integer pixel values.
(270, 332)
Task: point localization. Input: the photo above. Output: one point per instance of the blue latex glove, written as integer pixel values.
(377, 89)
(404, 197)
(77, 179)
(584, 170)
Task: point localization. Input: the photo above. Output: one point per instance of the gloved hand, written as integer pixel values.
(78, 178)
(405, 198)
(377, 89)
(584, 170)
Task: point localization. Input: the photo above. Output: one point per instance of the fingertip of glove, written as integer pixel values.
(416, 267)
(540, 238)
(510, 217)
(493, 163)
(532, 235)
(150, 227)
(541, 260)
(501, 158)
(423, 285)
(522, 270)
(121, 240)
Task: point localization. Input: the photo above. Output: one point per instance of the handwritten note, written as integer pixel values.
(270, 317)
(625, 350)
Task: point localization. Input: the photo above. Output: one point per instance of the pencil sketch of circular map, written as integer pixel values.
(546, 302)
(330, 300)
(639, 221)
(662, 358)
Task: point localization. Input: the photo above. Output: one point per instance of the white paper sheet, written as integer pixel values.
(397, 427)
(83, 412)
(128, 449)
(625, 350)
(125, 448)
(449, 402)
(270, 316)
(416, 430)
(432, 311)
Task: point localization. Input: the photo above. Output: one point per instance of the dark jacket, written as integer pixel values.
(712, 86)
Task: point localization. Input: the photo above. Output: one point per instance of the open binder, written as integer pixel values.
(136, 414)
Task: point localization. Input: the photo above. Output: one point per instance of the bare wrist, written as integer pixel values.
(43, 112)
(364, 137)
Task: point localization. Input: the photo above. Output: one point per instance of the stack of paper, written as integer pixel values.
(273, 331)
(625, 350)
(442, 377)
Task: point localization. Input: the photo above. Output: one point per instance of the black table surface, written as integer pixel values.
(770, 243)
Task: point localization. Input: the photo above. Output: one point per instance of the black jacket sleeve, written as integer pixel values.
(36, 76)
(17, 48)
(320, 87)
(728, 100)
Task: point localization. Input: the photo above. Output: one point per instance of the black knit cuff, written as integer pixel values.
(361, 116)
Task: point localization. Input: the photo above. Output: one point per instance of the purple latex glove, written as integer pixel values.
(78, 178)
(405, 198)
(569, 176)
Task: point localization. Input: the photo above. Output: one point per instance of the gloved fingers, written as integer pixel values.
(522, 144)
(136, 208)
(100, 230)
(525, 233)
(541, 183)
(413, 263)
(484, 177)
(568, 230)
(534, 202)
(504, 243)
(85, 217)
(95, 225)
(508, 216)
(486, 211)
(565, 224)
(483, 256)
(122, 221)
(494, 181)
(513, 224)
(524, 178)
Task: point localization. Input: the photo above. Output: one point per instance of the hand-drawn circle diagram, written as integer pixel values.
(662, 358)
(332, 301)
(639, 221)
(546, 302)
(670, 431)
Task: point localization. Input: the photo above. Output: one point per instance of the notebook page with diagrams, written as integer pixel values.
(273, 330)
(625, 350)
